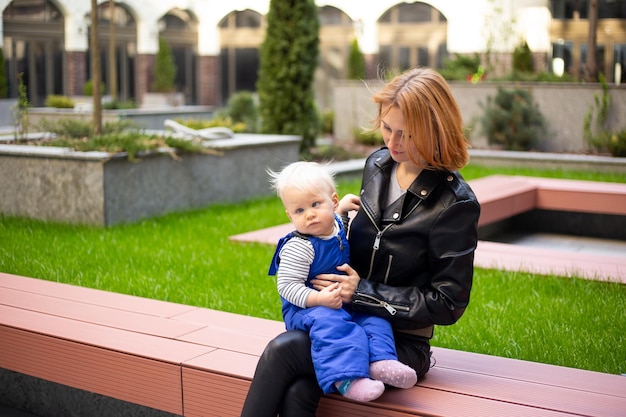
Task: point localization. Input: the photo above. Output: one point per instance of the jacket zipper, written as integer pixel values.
(375, 302)
(376, 245)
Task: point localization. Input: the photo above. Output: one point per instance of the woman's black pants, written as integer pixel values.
(284, 382)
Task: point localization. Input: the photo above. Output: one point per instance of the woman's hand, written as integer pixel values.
(348, 283)
(348, 203)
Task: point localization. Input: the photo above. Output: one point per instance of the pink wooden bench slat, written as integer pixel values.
(232, 321)
(105, 316)
(148, 346)
(208, 394)
(118, 375)
(534, 394)
(135, 304)
(424, 401)
(507, 368)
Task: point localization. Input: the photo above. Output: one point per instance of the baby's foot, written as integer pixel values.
(360, 389)
(393, 373)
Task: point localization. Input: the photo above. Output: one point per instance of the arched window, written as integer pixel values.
(241, 34)
(412, 34)
(125, 44)
(36, 54)
(179, 28)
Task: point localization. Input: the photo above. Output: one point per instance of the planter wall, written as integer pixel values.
(142, 118)
(94, 188)
(564, 105)
(6, 112)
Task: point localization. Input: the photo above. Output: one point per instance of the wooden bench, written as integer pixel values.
(194, 361)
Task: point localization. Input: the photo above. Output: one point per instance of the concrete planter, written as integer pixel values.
(142, 118)
(100, 189)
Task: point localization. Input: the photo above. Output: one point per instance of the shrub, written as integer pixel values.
(368, 137)
(595, 129)
(218, 121)
(88, 87)
(327, 122)
(59, 102)
(79, 129)
(512, 120)
(460, 67)
(522, 58)
(241, 108)
(119, 105)
(611, 142)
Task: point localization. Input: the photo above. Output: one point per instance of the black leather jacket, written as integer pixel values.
(415, 258)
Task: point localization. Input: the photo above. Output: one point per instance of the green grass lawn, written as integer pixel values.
(187, 258)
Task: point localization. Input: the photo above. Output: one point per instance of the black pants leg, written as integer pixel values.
(284, 382)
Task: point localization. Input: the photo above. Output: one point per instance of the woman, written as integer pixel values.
(412, 242)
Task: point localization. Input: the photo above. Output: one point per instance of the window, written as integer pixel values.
(331, 16)
(32, 10)
(569, 9)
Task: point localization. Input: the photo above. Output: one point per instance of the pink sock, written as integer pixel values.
(393, 373)
(360, 389)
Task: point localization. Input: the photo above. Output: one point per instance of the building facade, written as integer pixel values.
(215, 44)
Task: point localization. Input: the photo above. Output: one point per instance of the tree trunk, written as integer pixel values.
(95, 70)
(112, 61)
(591, 66)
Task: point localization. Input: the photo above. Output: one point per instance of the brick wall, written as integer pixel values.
(144, 75)
(76, 72)
(208, 81)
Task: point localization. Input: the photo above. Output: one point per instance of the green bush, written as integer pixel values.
(241, 108)
(88, 87)
(72, 128)
(327, 122)
(119, 105)
(218, 121)
(513, 120)
(611, 142)
(461, 67)
(523, 58)
(59, 102)
(368, 137)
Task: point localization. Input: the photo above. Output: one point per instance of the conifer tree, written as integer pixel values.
(288, 59)
(356, 62)
(164, 69)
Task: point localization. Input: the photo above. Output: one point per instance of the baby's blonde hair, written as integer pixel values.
(303, 175)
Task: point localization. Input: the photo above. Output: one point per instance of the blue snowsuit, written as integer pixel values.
(343, 343)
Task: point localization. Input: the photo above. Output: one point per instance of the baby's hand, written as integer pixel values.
(330, 296)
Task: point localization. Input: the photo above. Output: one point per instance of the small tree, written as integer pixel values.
(356, 62)
(288, 60)
(21, 111)
(522, 58)
(164, 69)
(4, 85)
(513, 120)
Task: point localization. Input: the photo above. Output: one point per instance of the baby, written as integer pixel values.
(352, 352)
